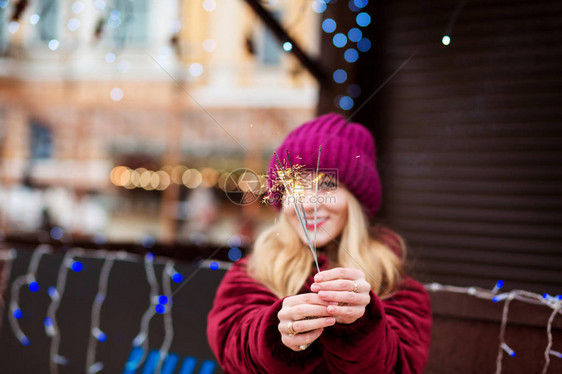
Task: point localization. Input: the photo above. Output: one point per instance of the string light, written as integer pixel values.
(96, 333)
(141, 340)
(166, 301)
(446, 40)
(52, 328)
(29, 279)
(525, 296)
(287, 46)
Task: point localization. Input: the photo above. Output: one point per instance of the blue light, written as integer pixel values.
(340, 76)
(512, 354)
(24, 340)
(52, 291)
(234, 254)
(160, 309)
(48, 322)
(495, 299)
(354, 90)
(339, 40)
(558, 297)
(354, 34)
(346, 103)
(76, 266)
(545, 295)
(101, 337)
(287, 46)
(363, 19)
(214, 265)
(163, 300)
(360, 3)
(364, 45)
(148, 241)
(56, 233)
(149, 256)
(352, 6)
(177, 277)
(499, 284)
(351, 55)
(329, 25)
(4, 3)
(18, 314)
(319, 6)
(33, 287)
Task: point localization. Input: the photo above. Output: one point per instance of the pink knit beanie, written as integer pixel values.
(346, 146)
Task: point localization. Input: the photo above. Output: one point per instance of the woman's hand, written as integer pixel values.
(297, 332)
(348, 288)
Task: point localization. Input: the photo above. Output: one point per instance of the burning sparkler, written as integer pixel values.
(291, 179)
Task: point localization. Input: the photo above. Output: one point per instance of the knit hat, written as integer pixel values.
(347, 147)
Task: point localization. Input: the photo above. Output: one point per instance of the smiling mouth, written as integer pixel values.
(319, 222)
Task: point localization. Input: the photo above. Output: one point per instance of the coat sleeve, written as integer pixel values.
(242, 329)
(393, 336)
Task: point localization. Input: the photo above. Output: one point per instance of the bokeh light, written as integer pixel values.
(351, 55)
(346, 103)
(446, 40)
(339, 40)
(340, 76)
(329, 25)
(364, 45)
(363, 19)
(354, 34)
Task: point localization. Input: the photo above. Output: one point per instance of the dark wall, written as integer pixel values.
(469, 138)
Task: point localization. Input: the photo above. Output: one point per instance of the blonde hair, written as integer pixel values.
(282, 262)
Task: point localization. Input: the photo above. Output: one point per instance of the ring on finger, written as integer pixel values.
(356, 286)
(292, 332)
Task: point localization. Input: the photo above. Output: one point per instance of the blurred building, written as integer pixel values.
(176, 93)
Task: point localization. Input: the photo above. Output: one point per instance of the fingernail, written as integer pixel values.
(322, 294)
(331, 321)
(318, 278)
(314, 287)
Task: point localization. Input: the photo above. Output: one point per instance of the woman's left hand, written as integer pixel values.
(348, 288)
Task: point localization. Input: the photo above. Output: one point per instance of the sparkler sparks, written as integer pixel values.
(291, 182)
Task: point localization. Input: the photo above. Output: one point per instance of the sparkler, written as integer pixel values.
(290, 178)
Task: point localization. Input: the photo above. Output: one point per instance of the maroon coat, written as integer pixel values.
(393, 336)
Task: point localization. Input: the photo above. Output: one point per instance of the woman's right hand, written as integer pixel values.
(292, 315)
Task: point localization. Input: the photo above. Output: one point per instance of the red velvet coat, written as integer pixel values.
(393, 336)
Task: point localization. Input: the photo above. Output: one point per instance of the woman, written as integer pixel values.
(273, 313)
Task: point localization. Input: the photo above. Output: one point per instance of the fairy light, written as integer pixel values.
(34, 18)
(141, 340)
(52, 330)
(446, 40)
(26, 279)
(97, 334)
(167, 302)
(287, 46)
(524, 296)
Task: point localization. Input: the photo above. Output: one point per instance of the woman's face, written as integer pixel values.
(331, 214)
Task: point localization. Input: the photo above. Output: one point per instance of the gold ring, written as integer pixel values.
(356, 288)
(292, 332)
